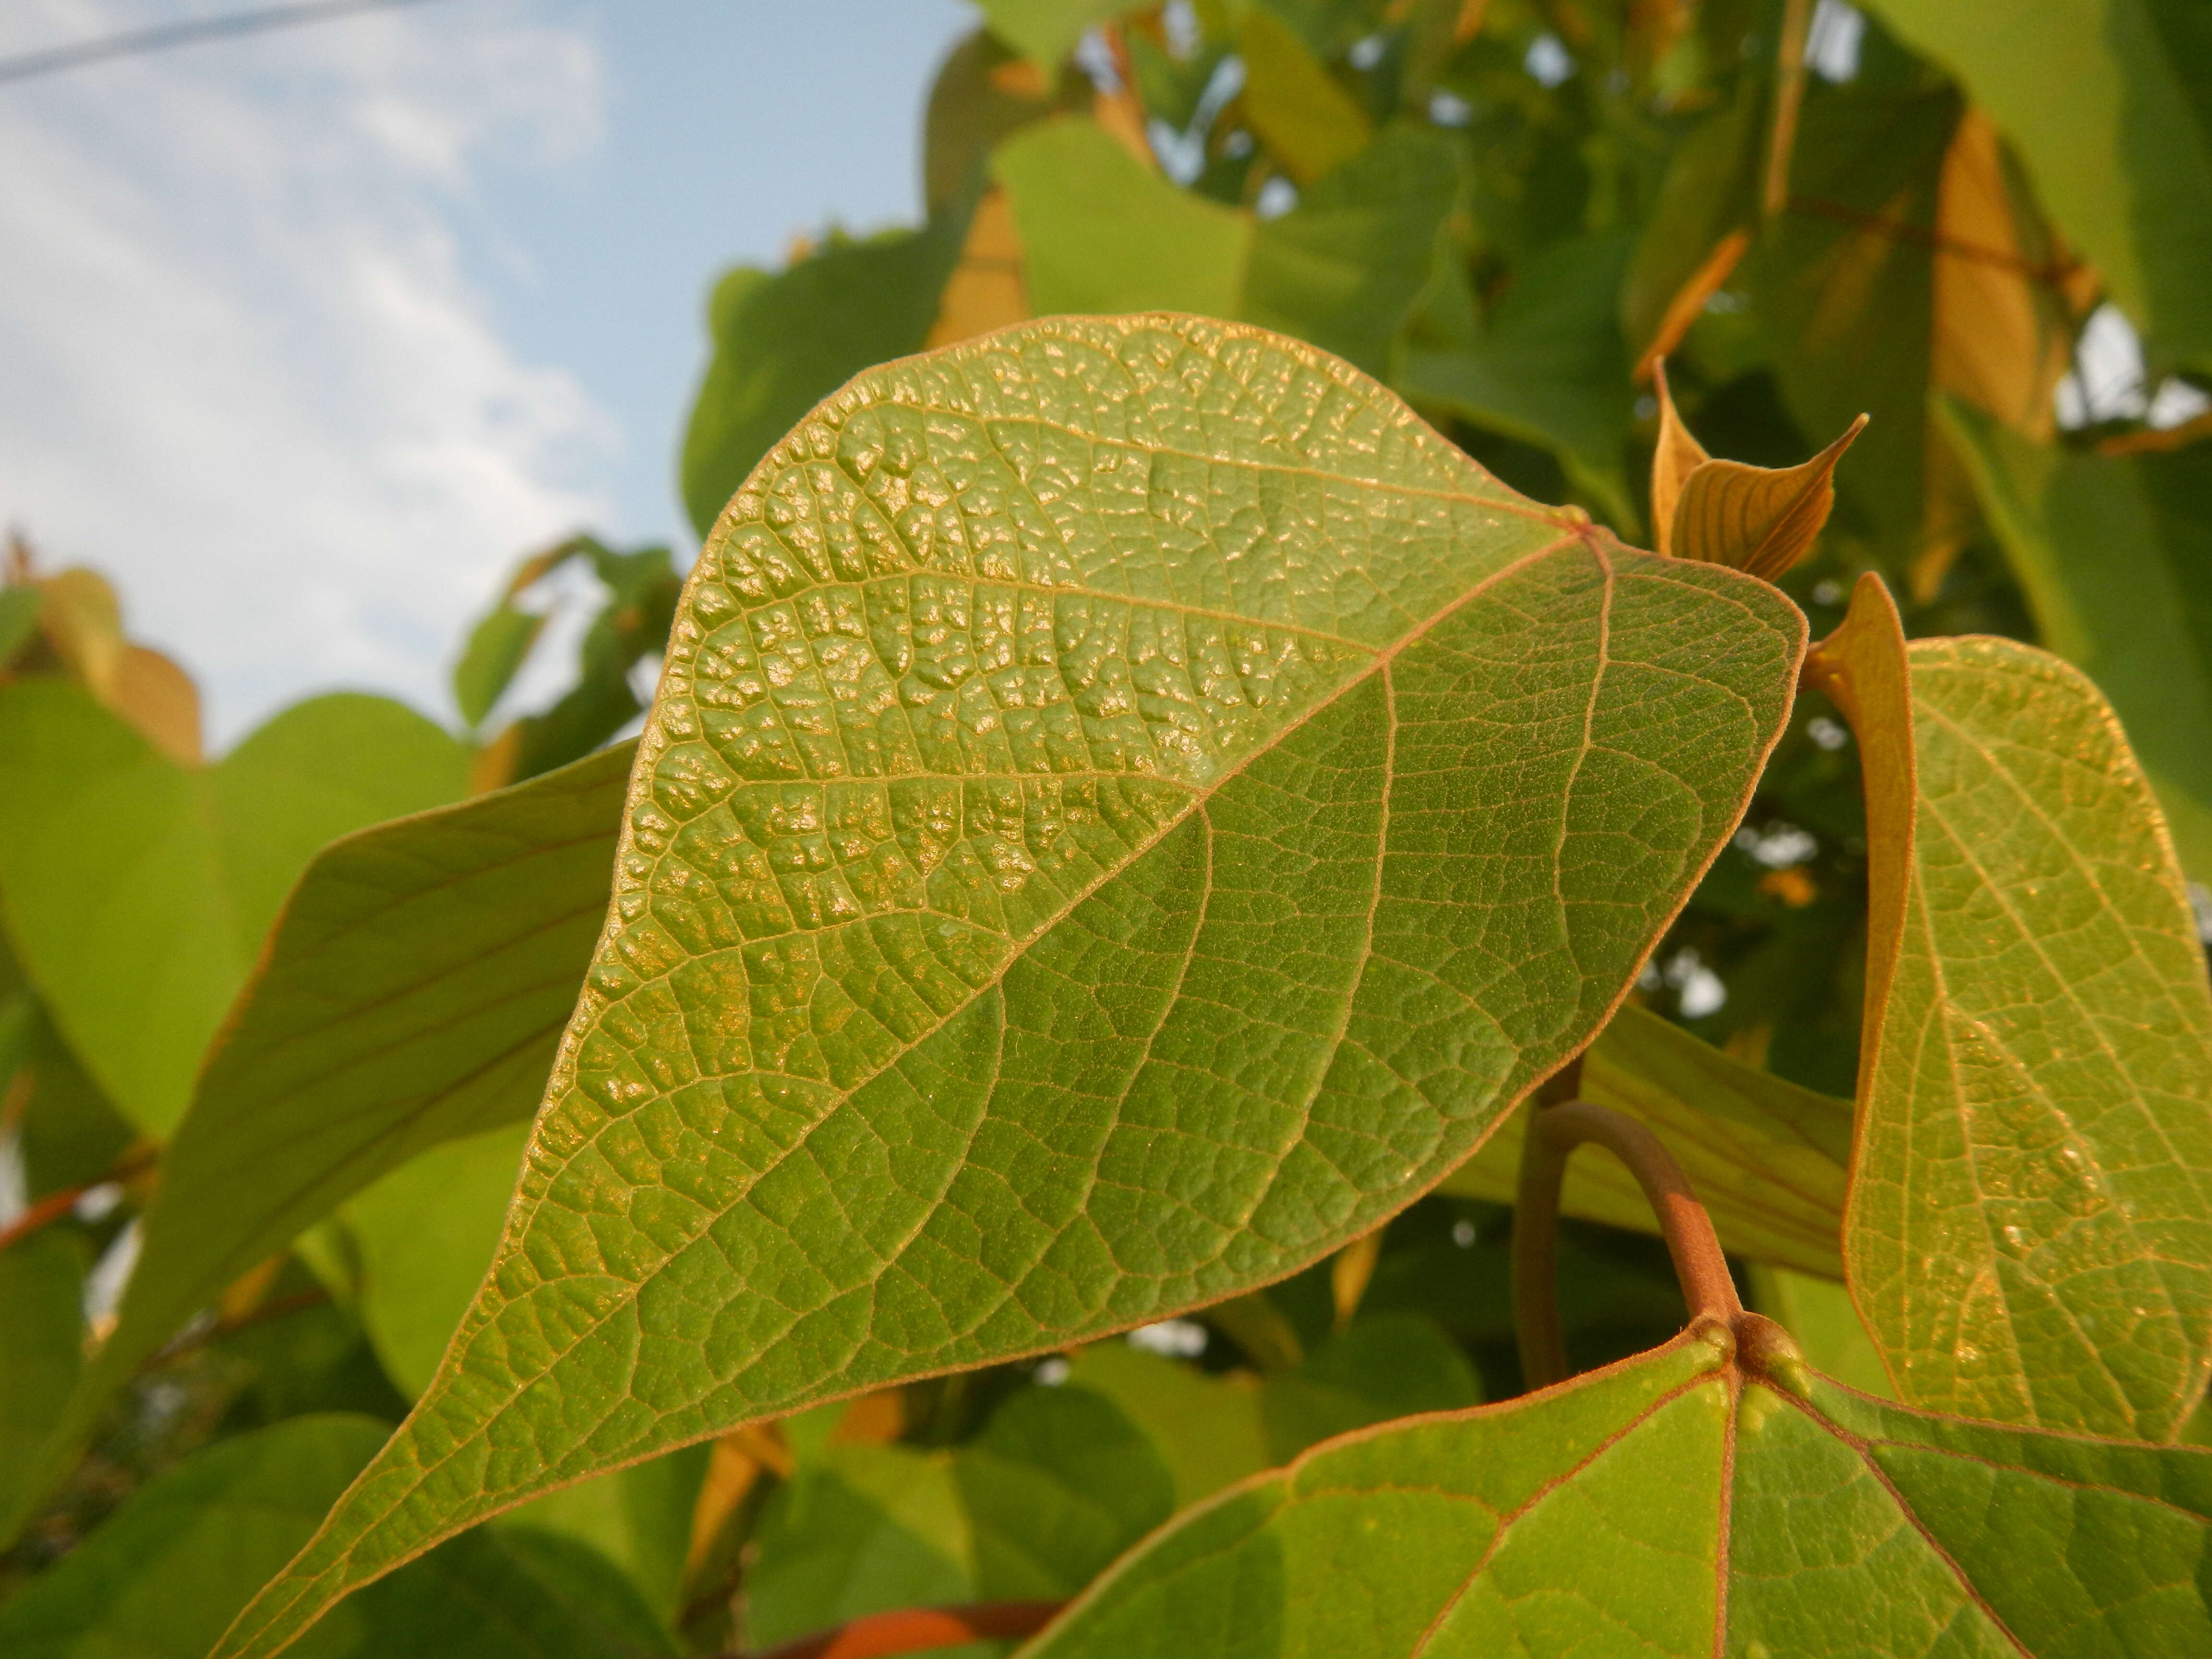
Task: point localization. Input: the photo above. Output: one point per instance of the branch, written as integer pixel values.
(55, 1205)
(1554, 1131)
(915, 1630)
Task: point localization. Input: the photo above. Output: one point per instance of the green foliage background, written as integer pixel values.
(273, 1025)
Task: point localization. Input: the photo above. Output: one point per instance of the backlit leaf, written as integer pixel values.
(1128, 808)
(413, 992)
(138, 891)
(2027, 1232)
(1767, 1158)
(1756, 519)
(1685, 1502)
(1046, 31)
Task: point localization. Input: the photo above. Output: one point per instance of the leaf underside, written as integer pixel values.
(2025, 1233)
(1676, 1504)
(412, 993)
(1128, 808)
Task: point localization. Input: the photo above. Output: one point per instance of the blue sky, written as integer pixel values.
(304, 338)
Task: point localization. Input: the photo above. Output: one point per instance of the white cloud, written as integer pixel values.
(243, 368)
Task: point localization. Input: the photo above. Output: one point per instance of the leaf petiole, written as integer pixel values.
(1554, 1131)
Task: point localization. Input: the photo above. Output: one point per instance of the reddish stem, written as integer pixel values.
(915, 1630)
(55, 1205)
(1554, 1131)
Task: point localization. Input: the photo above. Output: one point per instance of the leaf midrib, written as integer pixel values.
(2030, 1084)
(629, 1292)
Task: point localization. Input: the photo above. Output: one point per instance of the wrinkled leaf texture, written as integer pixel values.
(1128, 808)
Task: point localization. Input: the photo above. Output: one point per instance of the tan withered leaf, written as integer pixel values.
(1758, 519)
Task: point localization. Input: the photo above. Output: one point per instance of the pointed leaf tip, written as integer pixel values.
(1037, 915)
(1758, 519)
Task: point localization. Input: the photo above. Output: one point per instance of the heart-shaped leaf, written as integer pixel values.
(137, 888)
(2026, 1229)
(1128, 807)
(1699, 1499)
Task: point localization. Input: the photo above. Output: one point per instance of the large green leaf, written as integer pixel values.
(1687, 1501)
(1128, 808)
(2110, 552)
(2028, 1232)
(1767, 1158)
(137, 889)
(161, 1579)
(414, 992)
(2107, 101)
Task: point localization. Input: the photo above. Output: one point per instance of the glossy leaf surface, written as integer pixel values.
(784, 340)
(1767, 1158)
(1128, 808)
(1676, 1504)
(2027, 1232)
(137, 889)
(414, 992)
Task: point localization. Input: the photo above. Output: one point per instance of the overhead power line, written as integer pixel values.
(160, 37)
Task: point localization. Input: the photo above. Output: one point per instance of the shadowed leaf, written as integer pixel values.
(1680, 1503)
(160, 1577)
(2107, 100)
(1767, 1157)
(1128, 808)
